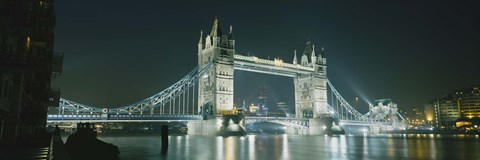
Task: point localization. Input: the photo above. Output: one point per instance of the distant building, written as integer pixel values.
(468, 124)
(418, 118)
(27, 66)
(460, 104)
(263, 101)
(429, 112)
(253, 109)
(282, 106)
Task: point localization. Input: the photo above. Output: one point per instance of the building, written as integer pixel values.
(460, 104)
(429, 112)
(470, 103)
(253, 109)
(419, 118)
(27, 66)
(263, 101)
(283, 108)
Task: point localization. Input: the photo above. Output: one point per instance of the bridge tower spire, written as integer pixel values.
(295, 61)
(313, 57)
(200, 42)
(215, 89)
(321, 65)
(304, 60)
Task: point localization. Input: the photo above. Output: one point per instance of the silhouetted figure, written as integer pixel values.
(57, 130)
(83, 145)
(164, 139)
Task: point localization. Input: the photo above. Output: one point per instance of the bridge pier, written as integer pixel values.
(324, 125)
(232, 125)
(297, 130)
(205, 127)
(219, 125)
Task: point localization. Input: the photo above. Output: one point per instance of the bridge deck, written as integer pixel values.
(362, 123)
(122, 118)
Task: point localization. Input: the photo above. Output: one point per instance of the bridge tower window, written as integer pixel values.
(307, 113)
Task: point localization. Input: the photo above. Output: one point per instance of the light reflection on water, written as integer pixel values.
(260, 147)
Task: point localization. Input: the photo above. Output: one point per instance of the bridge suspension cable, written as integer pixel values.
(351, 113)
(175, 92)
(346, 112)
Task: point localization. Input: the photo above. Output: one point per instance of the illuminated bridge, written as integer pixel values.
(204, 97)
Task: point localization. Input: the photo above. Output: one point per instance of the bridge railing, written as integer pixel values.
(123, 117)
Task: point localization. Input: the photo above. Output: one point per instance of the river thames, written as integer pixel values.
(271, 146)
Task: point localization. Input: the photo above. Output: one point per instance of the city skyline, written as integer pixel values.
(123, 57)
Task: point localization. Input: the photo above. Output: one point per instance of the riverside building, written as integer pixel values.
(27, 66)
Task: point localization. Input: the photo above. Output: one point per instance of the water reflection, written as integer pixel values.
(219, 148)
(251, 147)
(259, 147)
(285, 150)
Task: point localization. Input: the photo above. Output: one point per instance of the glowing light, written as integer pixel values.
(27, 44)
(364, 130)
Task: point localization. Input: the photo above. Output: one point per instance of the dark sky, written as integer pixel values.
(119, 52)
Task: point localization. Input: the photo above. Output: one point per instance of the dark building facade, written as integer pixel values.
(27, 66)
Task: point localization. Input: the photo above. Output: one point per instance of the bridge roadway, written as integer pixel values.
(184, 118)
(361, 123)
(122, 118)
(166, 118)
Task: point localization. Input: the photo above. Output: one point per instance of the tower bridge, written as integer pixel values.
(207, 92)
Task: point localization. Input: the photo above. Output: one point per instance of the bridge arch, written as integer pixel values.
(307, 112)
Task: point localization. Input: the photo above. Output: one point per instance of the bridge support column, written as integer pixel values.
(232, 125)
(220, 125)
(324, 125)
(317, 126)
(206, 127)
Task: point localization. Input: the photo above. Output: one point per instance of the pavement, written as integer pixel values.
(44, 146)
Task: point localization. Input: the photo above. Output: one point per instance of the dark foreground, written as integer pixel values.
(265, 146)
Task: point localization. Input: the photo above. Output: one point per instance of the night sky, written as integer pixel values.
(119, 52)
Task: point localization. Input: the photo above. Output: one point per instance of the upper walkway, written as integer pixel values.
(275, 67)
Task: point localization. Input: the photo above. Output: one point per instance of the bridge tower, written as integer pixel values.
(215, 89)
(311, 89)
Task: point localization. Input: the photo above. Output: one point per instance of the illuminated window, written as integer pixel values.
(27, 45)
